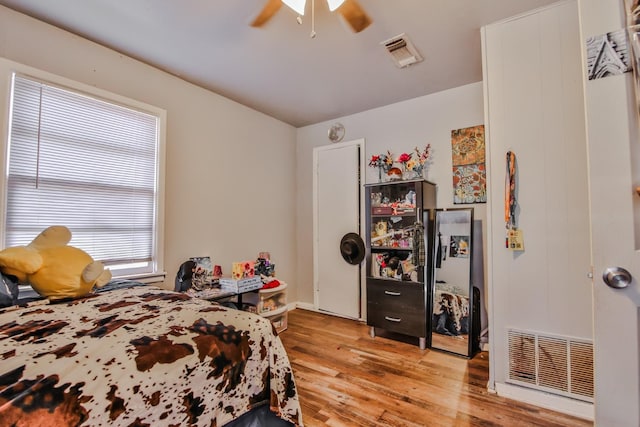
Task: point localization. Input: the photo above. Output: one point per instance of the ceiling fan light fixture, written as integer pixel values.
(334, 4)
(351, 11)
(297, 5)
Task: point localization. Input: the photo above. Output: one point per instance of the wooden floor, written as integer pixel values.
(346, 378)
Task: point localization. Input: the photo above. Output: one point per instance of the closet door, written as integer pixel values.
(614, 151)
(336, 212)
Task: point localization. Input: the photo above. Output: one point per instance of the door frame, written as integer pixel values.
(361, 144)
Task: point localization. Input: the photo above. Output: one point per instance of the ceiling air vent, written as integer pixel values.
(402, 51)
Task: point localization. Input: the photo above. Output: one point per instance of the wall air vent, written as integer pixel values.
(402, 51)
(555, 364)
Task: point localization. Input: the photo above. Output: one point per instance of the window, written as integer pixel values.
(88, 163)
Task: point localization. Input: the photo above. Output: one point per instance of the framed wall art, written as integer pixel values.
(468, 159)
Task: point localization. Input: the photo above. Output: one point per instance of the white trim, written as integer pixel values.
(315, 228)
(489, 219)
(310, 307)
(303, 305)
(150, 278)
(576, 408)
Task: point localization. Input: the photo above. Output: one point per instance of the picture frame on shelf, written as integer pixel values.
(202, 272)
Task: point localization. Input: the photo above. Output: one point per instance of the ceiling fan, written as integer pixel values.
(350, 10)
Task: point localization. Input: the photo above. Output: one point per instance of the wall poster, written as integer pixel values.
(608, 55)
(469, 172)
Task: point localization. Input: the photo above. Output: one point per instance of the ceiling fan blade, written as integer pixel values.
(267, 12)
(355, 16)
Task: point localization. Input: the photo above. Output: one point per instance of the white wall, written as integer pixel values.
(533, 78)
(230, 183)
(397, 127)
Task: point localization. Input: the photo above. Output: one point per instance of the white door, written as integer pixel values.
(614, 152)
(337, 195)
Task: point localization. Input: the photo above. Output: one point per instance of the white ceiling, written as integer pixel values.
(278, 69)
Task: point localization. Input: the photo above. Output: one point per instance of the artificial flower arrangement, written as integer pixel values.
(404, 159)
(409, 163)
(422, 161)
(383, 162)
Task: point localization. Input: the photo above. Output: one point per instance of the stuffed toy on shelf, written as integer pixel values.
(54, 269)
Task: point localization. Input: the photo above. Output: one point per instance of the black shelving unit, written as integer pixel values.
(398, 282)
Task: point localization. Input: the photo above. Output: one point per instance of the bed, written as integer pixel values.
(137, 355)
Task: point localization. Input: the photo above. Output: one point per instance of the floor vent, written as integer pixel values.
(554, 364)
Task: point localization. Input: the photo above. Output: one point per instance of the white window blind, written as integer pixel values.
(85, 163)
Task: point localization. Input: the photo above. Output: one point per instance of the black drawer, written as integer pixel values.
(412, 323)
(397, 307)
(397, 296)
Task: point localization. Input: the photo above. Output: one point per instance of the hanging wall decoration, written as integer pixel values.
(633, 33)
(469, 172)
(608, 55)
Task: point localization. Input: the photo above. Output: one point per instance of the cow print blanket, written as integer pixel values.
(140, 356)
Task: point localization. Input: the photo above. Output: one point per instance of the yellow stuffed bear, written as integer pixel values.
(52, 268)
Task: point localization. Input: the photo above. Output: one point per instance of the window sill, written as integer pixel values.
(147, 278)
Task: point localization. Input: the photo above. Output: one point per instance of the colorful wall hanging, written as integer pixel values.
(469, 172)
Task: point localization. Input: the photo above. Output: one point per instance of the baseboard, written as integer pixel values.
(302, 305)
(311, 307)
(554, 402)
